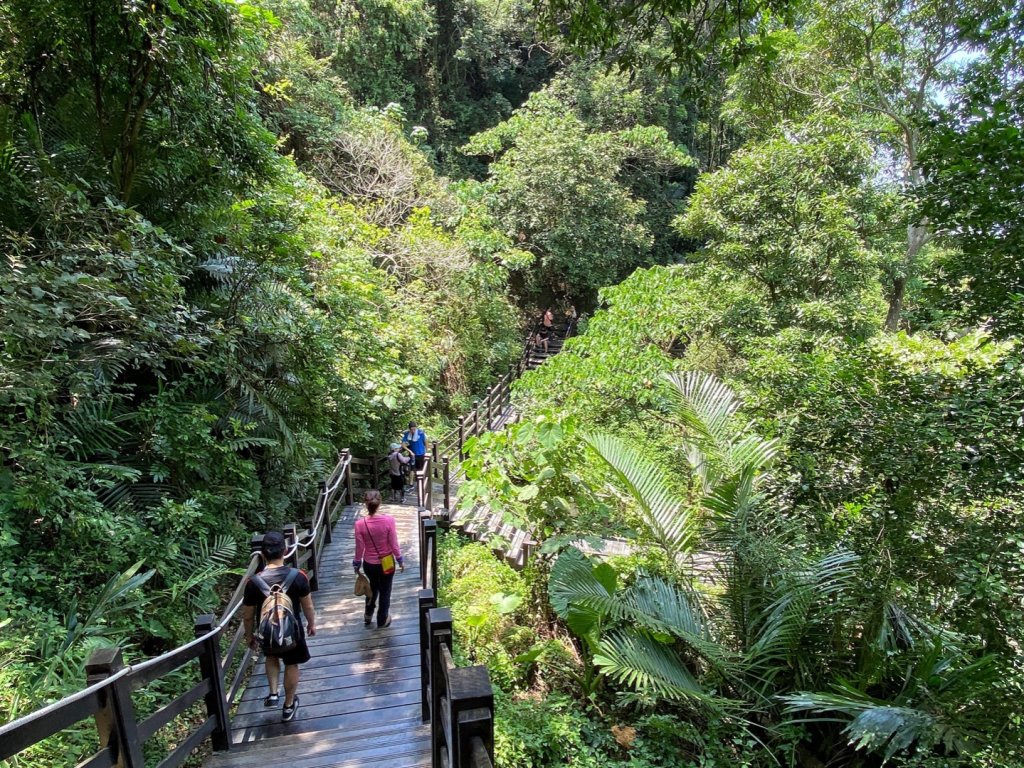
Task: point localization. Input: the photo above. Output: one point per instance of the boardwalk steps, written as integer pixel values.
(360, 692)
(481, 524)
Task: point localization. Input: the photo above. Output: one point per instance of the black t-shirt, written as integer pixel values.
(298, 590)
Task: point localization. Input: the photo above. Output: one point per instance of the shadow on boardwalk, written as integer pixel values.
(360, 693)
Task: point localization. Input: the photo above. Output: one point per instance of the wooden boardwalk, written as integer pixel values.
(360, 693)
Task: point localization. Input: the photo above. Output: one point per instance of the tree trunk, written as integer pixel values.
(917, 236)
(892, 318)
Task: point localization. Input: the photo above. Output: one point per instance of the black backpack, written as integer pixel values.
(278, 629)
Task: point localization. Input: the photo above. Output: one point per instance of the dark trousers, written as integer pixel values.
(420, 459)
(380, 583)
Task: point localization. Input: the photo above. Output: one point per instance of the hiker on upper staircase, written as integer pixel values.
(397, 463)
(547, 323)
(415, 440)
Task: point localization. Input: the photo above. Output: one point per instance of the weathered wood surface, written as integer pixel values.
(360, 693)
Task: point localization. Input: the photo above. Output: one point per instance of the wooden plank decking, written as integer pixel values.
(360, 693)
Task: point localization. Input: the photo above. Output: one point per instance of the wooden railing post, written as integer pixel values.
(440, 634)
(115, 723)
(447, 480)
(471, 704)
(428, 491)
(428, 554)
(313, 567)
(490, 406)
(350, 497)
(476, 417)
(426, 601)
(435, 458)
(210, 668)
(327, 512)
(291, 535)
(462, 437)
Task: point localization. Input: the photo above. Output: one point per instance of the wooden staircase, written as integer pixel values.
(360, 693)
(508, 542)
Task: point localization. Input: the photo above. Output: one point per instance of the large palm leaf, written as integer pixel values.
(660, 507)
(717, 448)
(584, 595)
(933, 707)
(639, 661)
(818, 588)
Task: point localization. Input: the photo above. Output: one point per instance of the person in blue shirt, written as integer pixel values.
(416, 441)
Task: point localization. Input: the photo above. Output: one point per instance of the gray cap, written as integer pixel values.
(395, 446)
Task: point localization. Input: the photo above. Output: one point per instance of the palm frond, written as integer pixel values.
(92, 430)
(706, 405)
(750, 455)
(662, 605)
(580, 590)
(640, 662)
(786, 620)
(572, 582)
(669, 520)
(890, 727)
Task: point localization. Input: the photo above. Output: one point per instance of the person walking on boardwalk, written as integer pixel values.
(546, 325)
(377, 552)
(396, 469)
(416, 440)
(276, 576)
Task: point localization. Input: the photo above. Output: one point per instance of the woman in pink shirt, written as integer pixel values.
(376, 538)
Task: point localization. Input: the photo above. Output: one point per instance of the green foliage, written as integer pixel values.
(973, 158)
(787, 216)
(191, 324)
(487, 601)
(558, 186)
(780, 622)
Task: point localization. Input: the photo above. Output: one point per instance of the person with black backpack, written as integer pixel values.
(270, 613)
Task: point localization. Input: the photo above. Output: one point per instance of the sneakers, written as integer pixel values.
(288, 713)
(271, 700)
(385, 624)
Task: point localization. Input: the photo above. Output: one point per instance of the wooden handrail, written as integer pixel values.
(484, 416)
(107, 696)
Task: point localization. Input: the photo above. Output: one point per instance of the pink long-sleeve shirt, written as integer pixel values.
(385, 536)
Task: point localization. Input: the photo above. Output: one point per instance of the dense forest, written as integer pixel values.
(239, 236)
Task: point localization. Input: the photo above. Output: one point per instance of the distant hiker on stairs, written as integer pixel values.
(416, 441)
(547, 323)
(396, 469)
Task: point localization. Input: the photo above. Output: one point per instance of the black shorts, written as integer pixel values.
(298, 655)
(397, 483)
(420, 459)
(543, 333)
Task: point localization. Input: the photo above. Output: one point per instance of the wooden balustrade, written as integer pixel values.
(107, 697)
(457, 701)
